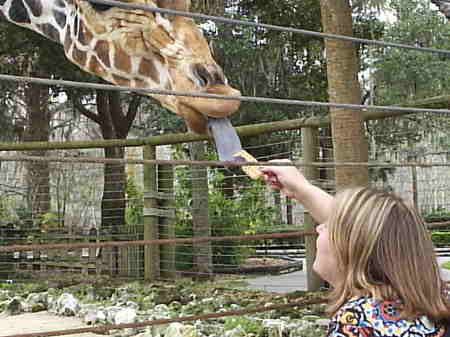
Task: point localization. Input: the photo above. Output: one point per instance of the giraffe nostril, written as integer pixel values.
(218, 78)
(202, 75)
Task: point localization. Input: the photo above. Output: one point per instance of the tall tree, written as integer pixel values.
(29, 105)
(38, 129)
(349, 141)
(114, 123)
(402, 76)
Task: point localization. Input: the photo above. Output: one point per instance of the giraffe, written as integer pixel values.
(135, 48)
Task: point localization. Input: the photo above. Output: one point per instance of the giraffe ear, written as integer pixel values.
(177, 5)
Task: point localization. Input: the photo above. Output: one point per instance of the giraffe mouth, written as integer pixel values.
(197, 110)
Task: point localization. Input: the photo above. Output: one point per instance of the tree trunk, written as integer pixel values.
(349, 141)
(114, 124)
(113, 199)
(36, 98)
(200, 216)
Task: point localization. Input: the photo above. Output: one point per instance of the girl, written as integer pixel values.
(377, 255)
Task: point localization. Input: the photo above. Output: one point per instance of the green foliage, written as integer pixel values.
(404, 75)
(249, 325)
(5, 215)
(440, 238)
(134, 213)
(269, 63)
(48, 221)
(244, 214)
(446, 265)
(440, 214)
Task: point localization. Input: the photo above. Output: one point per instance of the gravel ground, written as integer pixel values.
(44, 321)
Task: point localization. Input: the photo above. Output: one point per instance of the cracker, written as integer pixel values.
(252, 171)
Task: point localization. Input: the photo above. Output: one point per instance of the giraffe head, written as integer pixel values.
(143, 49)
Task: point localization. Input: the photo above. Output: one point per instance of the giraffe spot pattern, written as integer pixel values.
(35, 7)
(84, 36)
(122, 81)
(68, 39)
(141, 84)
(79, 56)
(102, 51)
(122, 61)
(51, 32)
(148, 69)
(18, 12)
(95, 66)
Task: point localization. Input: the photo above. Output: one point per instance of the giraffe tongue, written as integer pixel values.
(226, 139)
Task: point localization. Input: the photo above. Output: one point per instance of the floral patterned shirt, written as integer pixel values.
(365, 316)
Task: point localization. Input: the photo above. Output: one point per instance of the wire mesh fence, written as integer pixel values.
(80, 202)
(78, 218)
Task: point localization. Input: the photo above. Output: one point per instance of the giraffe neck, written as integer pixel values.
(134, 48)
(46, 17)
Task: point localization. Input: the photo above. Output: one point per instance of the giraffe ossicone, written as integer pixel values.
(135, 48)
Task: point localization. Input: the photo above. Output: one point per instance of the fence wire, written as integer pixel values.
(77, 219)
(83, 222)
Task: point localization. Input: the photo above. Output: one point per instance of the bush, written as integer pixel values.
(440, 238)
(228, 217)
(438, 215)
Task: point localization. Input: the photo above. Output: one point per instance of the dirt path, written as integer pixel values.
(40, 322)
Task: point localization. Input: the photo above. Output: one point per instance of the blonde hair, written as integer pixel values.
(384, 251)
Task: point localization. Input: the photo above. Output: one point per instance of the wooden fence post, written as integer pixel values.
(151, 230)
(167, 214)
(310, 154)
(203, 264)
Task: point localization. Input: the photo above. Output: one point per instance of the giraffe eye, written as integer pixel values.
(202, 75)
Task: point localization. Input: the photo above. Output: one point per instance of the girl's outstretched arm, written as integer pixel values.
(291, 182)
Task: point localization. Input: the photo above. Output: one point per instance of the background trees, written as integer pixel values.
(260, 62)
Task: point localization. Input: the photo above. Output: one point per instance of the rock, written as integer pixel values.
(236, 332)
(133, 305)
(123, 295)
(89, 314)
(274, 327)
(35, 302)
(14, 306)
(125, 316)
(67, 305)
(161, 311)
(111, 313)
(180, 330)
